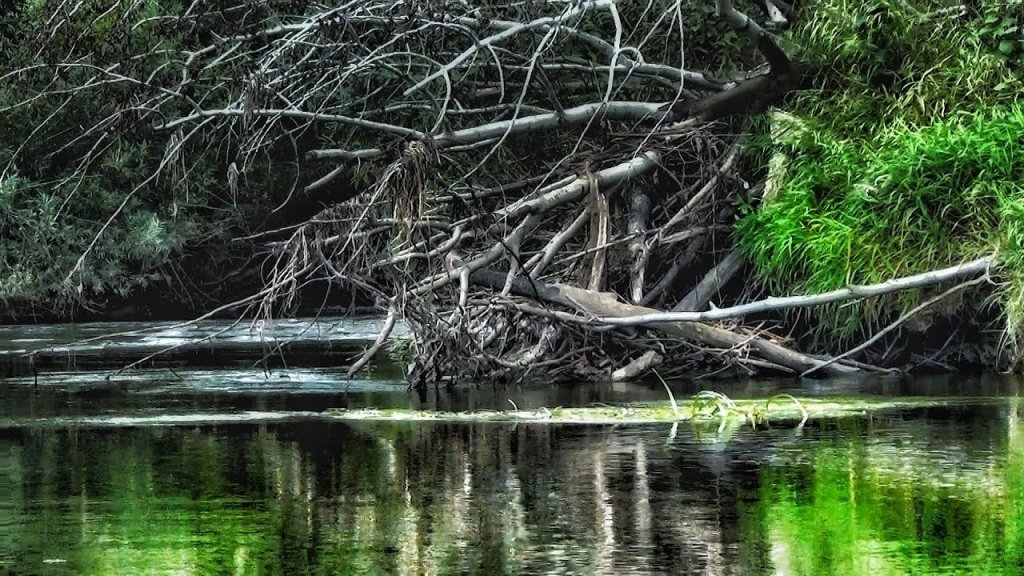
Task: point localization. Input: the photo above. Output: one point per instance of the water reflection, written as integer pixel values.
(936, 491)
(147, 393)
(190, 390)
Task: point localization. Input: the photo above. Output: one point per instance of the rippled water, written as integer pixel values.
(234, 472)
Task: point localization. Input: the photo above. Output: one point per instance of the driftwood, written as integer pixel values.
(521, 279)
(639, 213)
(638, 367)
(605, 306)
(974, 267)
(713, 281)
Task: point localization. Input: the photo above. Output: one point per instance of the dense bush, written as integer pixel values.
(50, 210)
(95, 201)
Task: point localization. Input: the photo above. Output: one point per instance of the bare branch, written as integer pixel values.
(850, 293)
(899, 321)
(617, 111)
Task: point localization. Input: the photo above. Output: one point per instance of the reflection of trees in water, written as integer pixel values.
(575, 500)
(407, 499)
(933, 495)
(495, 498)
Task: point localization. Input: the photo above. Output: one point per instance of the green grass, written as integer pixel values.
(906, 155)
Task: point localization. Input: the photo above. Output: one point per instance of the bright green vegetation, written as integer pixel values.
(896, 506)
(903, 155)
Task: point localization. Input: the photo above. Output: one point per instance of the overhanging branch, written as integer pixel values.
(785, 303)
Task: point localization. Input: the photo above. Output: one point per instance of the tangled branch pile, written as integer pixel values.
(534, 171)
(508, 178)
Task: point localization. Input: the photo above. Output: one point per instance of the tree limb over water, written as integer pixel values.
(494, 175)
(974, 267)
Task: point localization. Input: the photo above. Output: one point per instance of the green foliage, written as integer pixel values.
(905, 157)
(43, 236)
(1001, 30)
(74, 152)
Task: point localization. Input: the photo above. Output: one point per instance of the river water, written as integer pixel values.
(205, 471)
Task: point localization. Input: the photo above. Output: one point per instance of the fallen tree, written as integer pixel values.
(537, 189)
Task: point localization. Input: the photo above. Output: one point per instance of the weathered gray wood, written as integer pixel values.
(700, 296)
(979, 266)
(606, 306)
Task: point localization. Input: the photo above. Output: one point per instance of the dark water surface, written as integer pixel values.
(231, 472)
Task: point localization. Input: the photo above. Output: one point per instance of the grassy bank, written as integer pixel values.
(903, 154)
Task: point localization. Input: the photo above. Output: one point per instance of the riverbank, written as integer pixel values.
(780, 214)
